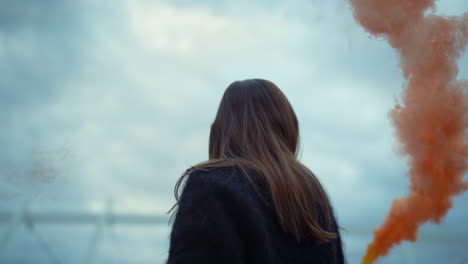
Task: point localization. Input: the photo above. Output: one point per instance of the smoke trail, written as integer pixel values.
(431, 120)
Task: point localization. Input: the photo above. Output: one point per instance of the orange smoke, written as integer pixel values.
(432, 117)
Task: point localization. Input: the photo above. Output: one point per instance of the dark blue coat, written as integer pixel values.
(222, 220)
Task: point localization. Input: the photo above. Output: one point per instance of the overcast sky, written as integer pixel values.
(114, 99)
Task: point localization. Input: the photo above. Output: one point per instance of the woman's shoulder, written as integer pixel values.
(224, 175)
(212, 185)
(229, 179)
(210, 176)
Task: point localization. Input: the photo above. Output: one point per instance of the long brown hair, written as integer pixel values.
(256, 127)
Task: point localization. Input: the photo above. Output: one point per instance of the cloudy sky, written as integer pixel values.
(113, 100)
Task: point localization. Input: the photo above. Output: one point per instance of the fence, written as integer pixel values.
(22, 216)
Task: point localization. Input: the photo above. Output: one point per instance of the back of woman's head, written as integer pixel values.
(254, 118)
(256, 128)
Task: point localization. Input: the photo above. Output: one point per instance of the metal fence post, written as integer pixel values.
(101, 221)
(15, 220)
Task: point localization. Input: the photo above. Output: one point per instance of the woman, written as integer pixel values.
(253, 201)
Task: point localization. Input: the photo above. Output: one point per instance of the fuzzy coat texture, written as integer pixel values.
(220, 219)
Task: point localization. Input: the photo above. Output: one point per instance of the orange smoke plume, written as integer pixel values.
(432, 118)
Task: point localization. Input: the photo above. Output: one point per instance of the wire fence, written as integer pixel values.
(23, 217)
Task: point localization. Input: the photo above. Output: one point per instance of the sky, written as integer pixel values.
(113, 100)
